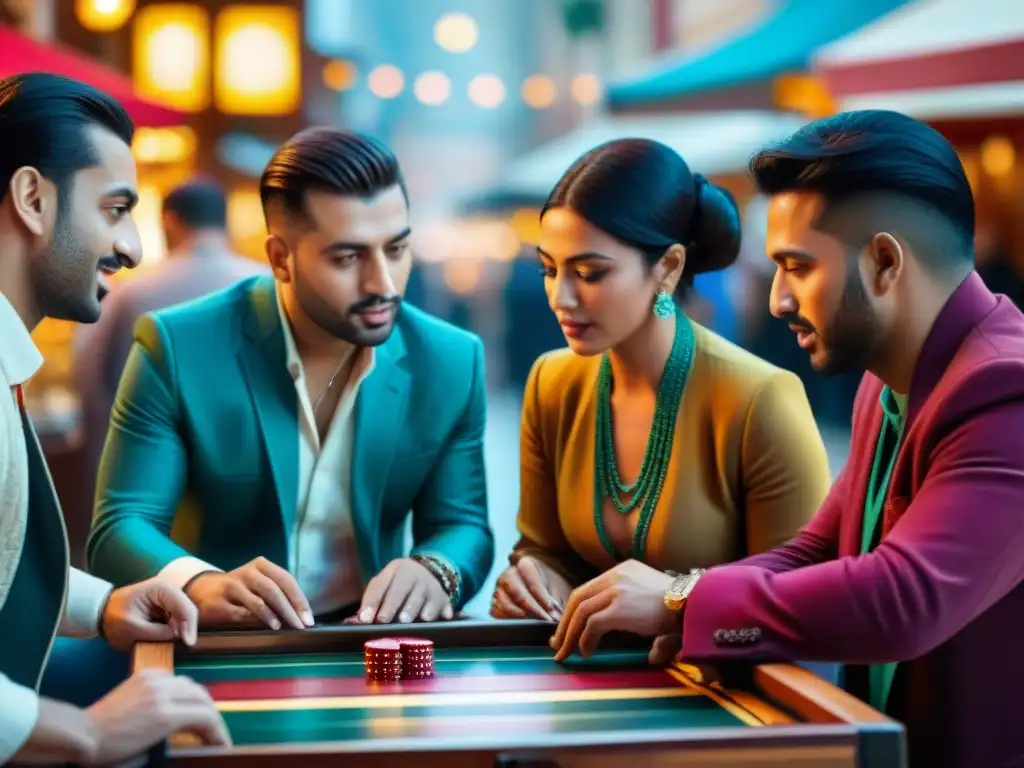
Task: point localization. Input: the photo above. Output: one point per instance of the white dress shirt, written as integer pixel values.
(322, 552)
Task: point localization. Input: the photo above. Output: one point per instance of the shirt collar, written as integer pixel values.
(20, 358)
(291, 352)
(364, 363)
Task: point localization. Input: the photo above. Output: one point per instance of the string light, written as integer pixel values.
(585, 88)
(339, 75)
(432, 88)
(386, 81)
(539, 91)
(487, 91)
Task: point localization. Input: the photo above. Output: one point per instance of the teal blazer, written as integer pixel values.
(202, 453)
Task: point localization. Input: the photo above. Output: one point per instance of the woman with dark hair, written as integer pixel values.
(650, 438)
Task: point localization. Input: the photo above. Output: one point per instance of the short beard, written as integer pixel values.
(317, 309)
(64, 275)
(853, 335)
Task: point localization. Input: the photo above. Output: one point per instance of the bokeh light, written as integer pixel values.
(104, 15)
(386, 81)
(339, 75)
(539, 91)
(487, 91)
(456, 32)
(586, 89)
(432, 88)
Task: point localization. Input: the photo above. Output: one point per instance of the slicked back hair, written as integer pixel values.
(330, 160)
(880, 153)
(43, 120)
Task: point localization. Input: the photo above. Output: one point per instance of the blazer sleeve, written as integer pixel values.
(143, 470)
(450, 516)
(957, 549)
(540, 528)
(785, 468)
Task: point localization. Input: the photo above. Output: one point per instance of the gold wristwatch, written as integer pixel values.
(681, 587)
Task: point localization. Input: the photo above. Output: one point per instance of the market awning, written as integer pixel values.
(712, 143)
(933, 59)
(20, 54)
(782, 43)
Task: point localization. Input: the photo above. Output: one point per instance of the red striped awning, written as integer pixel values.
(933, 59)
(20, 54)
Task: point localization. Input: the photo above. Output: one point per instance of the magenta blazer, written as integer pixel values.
(942, 593)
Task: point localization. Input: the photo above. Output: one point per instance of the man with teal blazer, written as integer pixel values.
(270, 441)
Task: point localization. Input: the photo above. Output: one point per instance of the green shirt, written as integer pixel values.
(894, 409)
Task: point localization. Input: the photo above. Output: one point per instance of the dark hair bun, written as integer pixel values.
(715, 230)
(643, 193)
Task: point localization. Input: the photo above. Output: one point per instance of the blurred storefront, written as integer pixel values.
(960, 67)
(758, 61)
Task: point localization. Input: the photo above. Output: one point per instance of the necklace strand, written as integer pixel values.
(316, 403)
(654, 468)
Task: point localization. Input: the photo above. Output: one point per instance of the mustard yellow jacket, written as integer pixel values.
(748, 467)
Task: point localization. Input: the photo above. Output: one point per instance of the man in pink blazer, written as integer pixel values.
(911, 573)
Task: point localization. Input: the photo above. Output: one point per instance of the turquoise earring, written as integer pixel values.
(664, 306)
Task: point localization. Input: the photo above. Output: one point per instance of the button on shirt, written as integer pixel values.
(323, 556)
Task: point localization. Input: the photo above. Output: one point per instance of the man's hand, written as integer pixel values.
(258, 589)
(629, 597)
(665, 649)
(147, 708)
(407, 590)
(530, 589)
(150, 611)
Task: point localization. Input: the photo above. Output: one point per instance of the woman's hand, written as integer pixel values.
(530, 589)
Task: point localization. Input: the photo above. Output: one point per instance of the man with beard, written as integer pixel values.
(268, 442)
(67, 189)
(911, 572)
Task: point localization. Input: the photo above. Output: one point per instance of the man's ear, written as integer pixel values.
(886, 261)
(277, 254)
(33, 199)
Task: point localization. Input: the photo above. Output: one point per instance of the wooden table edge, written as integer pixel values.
(160, 656)
(153, 656)
(814, 698)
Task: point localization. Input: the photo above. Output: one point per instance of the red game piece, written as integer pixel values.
(417, 658)
(382, 659)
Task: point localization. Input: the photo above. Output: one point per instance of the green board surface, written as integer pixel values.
(455, 721)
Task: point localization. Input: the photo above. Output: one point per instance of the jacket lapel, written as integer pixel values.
(20, 360)
(379, 414)
(262, 359)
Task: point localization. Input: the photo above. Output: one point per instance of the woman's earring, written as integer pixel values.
(664, 306)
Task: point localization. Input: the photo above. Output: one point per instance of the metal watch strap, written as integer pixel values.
(682, 585)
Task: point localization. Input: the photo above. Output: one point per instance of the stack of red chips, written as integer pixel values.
(383, 659)
(407, 658)
(417, 658)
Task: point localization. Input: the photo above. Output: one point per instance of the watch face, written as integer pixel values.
(678, 588)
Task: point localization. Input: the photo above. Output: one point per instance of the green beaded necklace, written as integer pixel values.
(647, 488)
